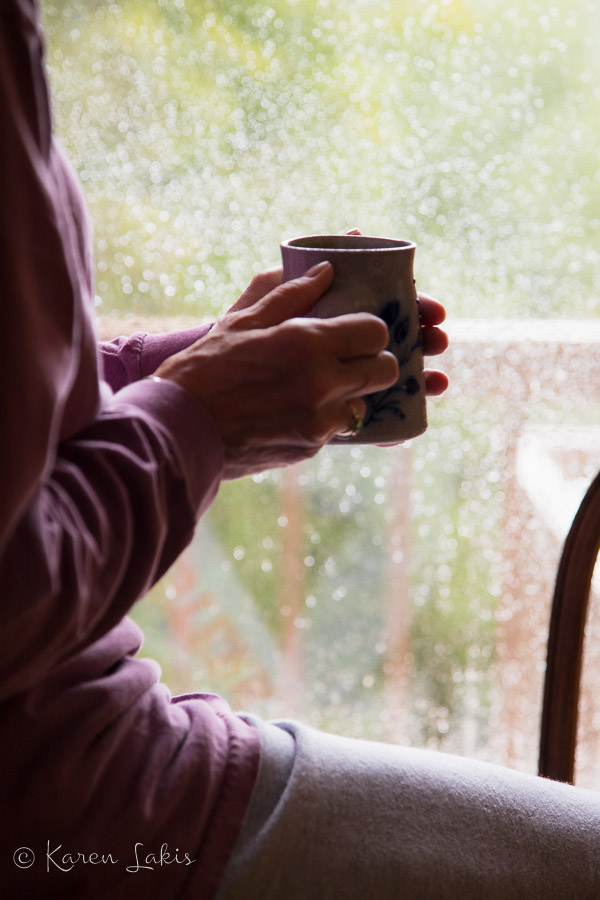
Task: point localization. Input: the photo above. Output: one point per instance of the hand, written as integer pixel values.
(432, 314)
(277, 383)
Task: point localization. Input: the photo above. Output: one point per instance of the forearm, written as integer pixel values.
(118, 507)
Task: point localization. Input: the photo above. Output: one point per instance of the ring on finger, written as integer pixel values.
(356, 423)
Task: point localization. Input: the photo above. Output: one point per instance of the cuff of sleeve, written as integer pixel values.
(156, 348)
(127, 359)
(189, 429)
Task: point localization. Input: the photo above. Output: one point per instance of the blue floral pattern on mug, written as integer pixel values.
(391, 401)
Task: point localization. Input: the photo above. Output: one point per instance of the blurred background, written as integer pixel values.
(399, 594)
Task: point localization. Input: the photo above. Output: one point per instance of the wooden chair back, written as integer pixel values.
(565, 640)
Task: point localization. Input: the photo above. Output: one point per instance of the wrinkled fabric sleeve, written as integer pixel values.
(39, 302)
(127, 359)
(90, 517)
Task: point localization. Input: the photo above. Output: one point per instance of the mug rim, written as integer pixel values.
(382, 243)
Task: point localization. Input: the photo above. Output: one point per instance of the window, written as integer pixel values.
(399, 594)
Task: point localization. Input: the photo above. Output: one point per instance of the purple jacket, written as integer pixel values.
(108, 786)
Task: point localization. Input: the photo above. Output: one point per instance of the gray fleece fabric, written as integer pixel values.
(334, 817)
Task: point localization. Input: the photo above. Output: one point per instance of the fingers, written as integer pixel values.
(261, 285)
(356, 344)
(435, 341)
(432, 314)
(324, 361)
(267, 302)
(363, 333)
(368, 375)
(435, 382)
(289, 300)
(354, 335)
(431, 311)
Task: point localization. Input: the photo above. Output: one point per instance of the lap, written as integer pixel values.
(337, 817)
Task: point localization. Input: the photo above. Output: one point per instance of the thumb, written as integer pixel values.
(289, 300)
(258, 288)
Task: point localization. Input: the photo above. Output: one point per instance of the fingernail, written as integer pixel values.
(316, 270)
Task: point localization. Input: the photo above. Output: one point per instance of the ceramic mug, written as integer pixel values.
(375, 275)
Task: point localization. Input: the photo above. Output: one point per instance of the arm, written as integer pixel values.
(119, 505)
(33, 382)
(97, 497)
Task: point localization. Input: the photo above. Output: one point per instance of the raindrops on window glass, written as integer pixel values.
(396, 594)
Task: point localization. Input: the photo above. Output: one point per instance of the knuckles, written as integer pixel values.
(302, 338)
(367, 321)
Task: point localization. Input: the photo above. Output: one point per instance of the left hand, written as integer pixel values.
(431, 312)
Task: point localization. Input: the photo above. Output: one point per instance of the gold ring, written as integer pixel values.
(357, 422)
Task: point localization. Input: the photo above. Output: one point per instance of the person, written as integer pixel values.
(110, 787)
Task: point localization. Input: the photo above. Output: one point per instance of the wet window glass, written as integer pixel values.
(394, 594)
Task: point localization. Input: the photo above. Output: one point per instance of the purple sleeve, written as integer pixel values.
(37, 314)
(117, 508)
(98, 493)
(127, 359)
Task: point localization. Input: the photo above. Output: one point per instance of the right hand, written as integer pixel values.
(277, 383)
